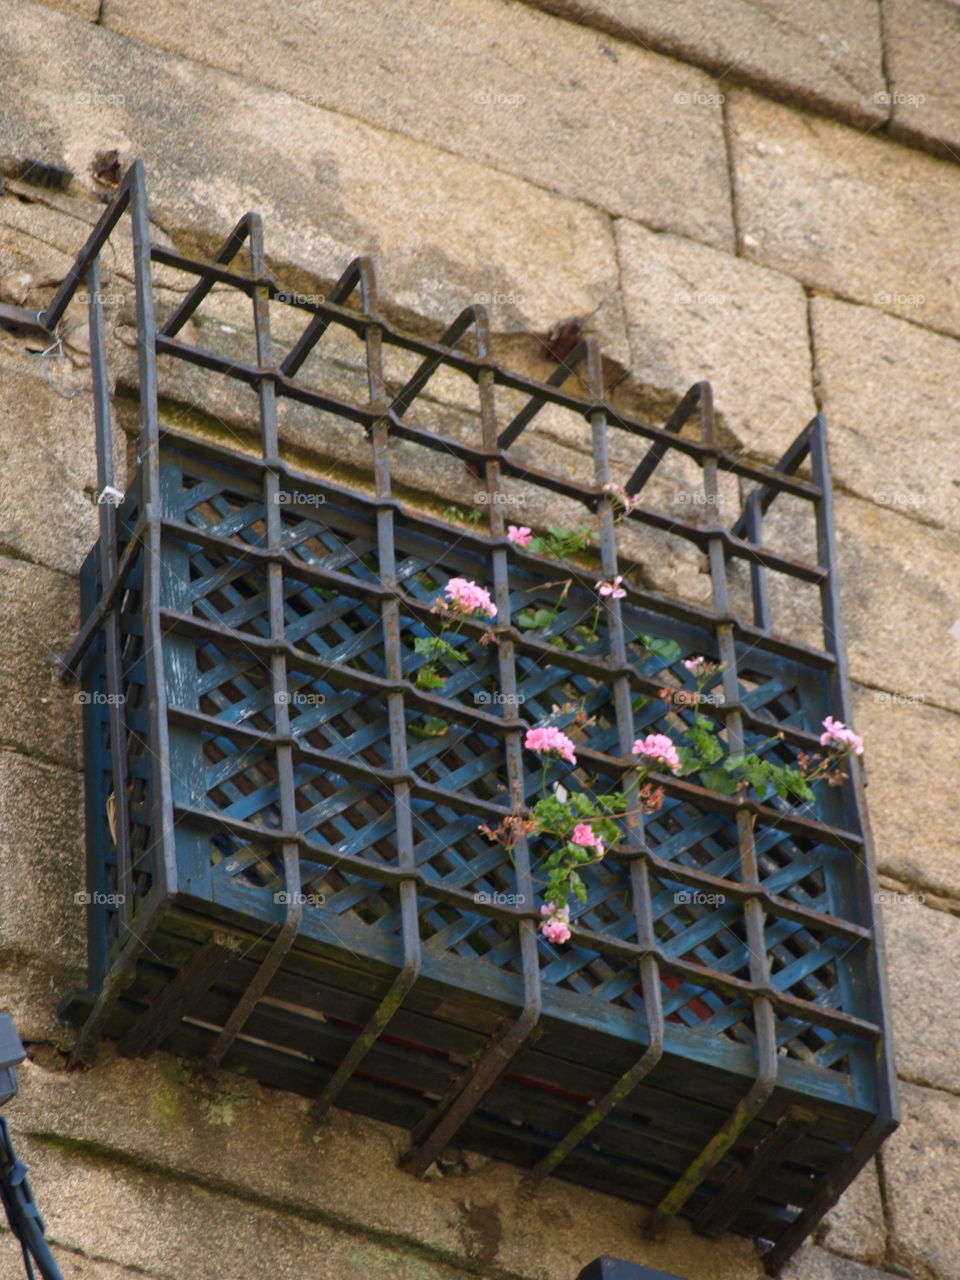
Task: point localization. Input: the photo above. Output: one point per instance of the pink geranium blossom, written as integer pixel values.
(659, 749)
(625, 499)
(612, 588)
(584, 834)
(838, 737)
(694, 663)
(520, 535)
(555, 926)
(467, 597)
(550, 741)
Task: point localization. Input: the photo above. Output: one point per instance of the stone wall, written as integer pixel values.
(766, 196)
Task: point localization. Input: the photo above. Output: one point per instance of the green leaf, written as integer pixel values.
(718, 780)
(427, 678)
(529, 619)
(432, 728)
(668, 650)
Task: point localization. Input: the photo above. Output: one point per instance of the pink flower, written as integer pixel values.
(659, 749)
(520, 535)
(556, 926)
(467, 597)
(612, 588)
(550, 741)
(693, 664)
(583, 834)
(838, 737)
(621, 495)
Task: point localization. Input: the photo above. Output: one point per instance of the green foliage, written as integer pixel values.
(762, 774)
(561, 543)
(434, 727)
(534, 619)
(668, 650)
(705, 742)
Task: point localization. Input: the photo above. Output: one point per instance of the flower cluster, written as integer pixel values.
(520, 535)
(625, 500)
(468, 598)
(585, 835)
(659, 750)
(839, 738)
(555, 926)
(552, 742)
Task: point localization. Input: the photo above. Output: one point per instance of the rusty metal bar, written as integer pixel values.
(224, 255)
(359, 272)
(736, 988)
(441, 1126)
(290, 849)
(132, 195)
(674, 424)
(758, 961)
(739, 1189)
(832, 1186)
(635, 838)
(107, 512)
(403, 983)
(753, 525)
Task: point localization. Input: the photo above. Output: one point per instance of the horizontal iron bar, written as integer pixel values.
(788, 1006)
(473, 366)
(598, 668)
(650, 600)
(737, 891)
(338, 674)
(369, 417)
(349, 767)
(24, 319)
(461, 802)
(345, 677)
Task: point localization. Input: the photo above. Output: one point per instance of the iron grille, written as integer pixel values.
(286, 868)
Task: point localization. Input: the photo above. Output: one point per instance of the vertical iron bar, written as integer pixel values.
(753, 530)
(763, 1014)
(108, 566)
(888, 1117)
(148, 453)
(269, 442)
(437, 1131)
(393, 654)
(635, 837)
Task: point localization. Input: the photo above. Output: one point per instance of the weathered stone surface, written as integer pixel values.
(824, 52)
(852, 214)
(86, 9)
(31, 994)
(187, 1232)
(891, 569)
(37, 713)
(855, 1225)
(344, 1173)
(41, 863)
(920, 40)
(813, 1263)
(48, 511)
(694, 313)
(922, 1182)
(443, 230)
(924, 994)
(599, 120)
(885, 387)
(912, 758)
(75, 1266)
